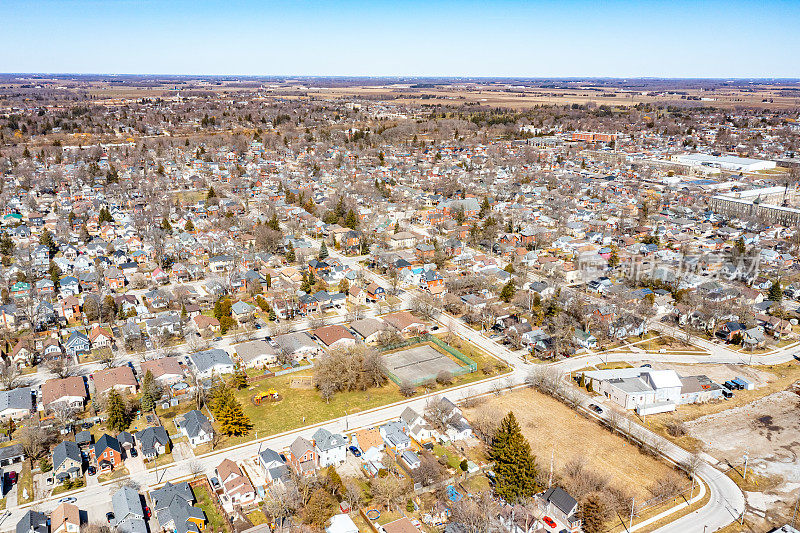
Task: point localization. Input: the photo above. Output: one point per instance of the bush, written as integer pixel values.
(676, 428)
(444, 378)
(408, 389)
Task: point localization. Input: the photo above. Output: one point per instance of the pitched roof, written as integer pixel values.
(56, 389)
(109, 377)
(328, 335)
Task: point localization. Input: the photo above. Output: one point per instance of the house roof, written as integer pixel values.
(166, 366)
(368, 438)
(150, 437)
(33, 522)
(208, 359)
(55, 389)
(65, 513)
(106, 442)
(127, 503)
(66, 450)
(16, 399)
(324, 440)
(194, 422)
(367, 326)
(106, 379)
(561, 499)
(248, 351)
(329, 335)
(402, 320)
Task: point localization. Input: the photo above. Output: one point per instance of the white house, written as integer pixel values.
(331, 447)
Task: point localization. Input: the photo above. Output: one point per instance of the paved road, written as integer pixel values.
(725, 505)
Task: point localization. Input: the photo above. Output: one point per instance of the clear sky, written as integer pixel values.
(733, 38)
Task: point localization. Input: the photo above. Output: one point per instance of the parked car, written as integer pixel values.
(109, 516)
(91, 470)
(134, 453)
(549, 521)
(215, 483)
(355, 451)
(596, 408)
(68, 499)
(147, 512)
(12, 477)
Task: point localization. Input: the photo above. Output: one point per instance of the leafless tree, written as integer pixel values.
(477, 514)
(9, 375)
(429, 471)
(62, 367)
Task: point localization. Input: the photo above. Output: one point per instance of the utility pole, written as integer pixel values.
(633, 504)
(744, 475)
(552, 459)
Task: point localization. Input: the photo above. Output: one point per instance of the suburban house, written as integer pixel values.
(66, 518)
(257, 353)
(67, 461)
(331, 448)
(370, 442)
(303, 457)
(67, 392)
(153, 441)
(274, 465)
(394, 436)
(174, 509)
(457, 426)
(100, 337)
(195, 426)
(16, 404)
(107, 452)
(77, 344)
(297, 345)
(556, 503)
(405, 323)
(120, 378)
(33, 522)
(213, 362)
(334, 336)
(129, 515)
(369, 329)
(237, 486)
(415, 425)
(166, 371)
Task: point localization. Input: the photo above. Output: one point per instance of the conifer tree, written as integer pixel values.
(117, 415)
(323, 251)
(232, 419)
(515, 466)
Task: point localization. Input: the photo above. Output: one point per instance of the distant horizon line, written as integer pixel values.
(409, 77)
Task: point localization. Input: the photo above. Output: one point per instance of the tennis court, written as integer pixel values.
(418, 364)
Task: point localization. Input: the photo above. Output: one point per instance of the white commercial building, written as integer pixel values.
(646, 390)
(725, 162)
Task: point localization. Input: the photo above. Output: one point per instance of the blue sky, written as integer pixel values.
(418, 38)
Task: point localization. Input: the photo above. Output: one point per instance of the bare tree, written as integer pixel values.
(477, 514)
(62, 367)
(9, 375)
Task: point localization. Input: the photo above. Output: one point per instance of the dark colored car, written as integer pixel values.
(134, 453)
(215, 483)
(596, 408)
(355, 451)
(91, 470)
(109, 517)
(12, 477)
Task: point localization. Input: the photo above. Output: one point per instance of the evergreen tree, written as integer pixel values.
(273, 222)
(211, 193)
(272, 316)
(189, 226)
(485, 207)
(85, 237)
(239, 380)
(46, 239)
(117, 414)
(593, 514)
(232, 420)
(515, 466)
(507, 294)
(775, 291)
(55, 275)
(151, 392)
(323, 251)
(351, 220)
(165, 225)
(290, 257)
(613, 259)
(740, 246)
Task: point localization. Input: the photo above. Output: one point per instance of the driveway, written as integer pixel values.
(135, 465)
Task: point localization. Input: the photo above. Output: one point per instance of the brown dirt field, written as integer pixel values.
(552, 427)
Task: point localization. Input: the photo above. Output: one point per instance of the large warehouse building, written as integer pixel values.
(728, 163)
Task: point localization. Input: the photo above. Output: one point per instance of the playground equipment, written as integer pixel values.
(269, 394)
(373, 514)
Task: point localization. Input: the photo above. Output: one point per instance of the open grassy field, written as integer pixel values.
(553, 428)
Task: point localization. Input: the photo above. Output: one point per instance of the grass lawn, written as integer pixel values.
(620, 461)
(161, 460)
(257, 517)
(2, 504)
(754, 482)
(117, 473)
(620, 527)
(453, 459)
(215, 520)
(25, 483)
(76, 484)
(300, 408)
